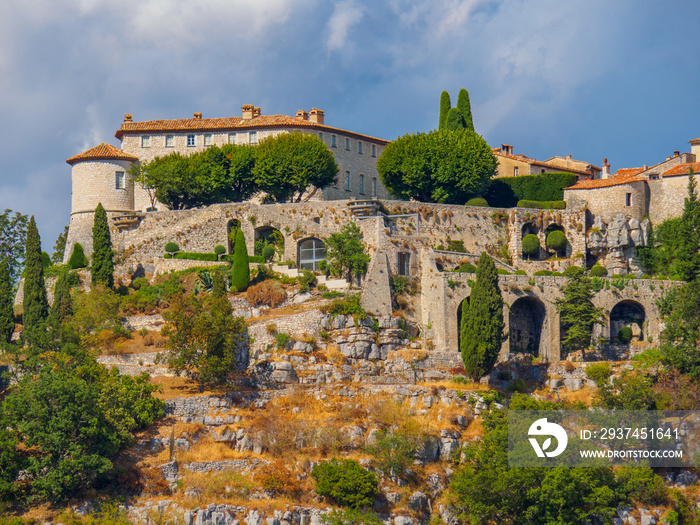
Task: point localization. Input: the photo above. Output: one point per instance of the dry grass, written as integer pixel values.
(207, 449)
(171, 387)
(409, 355)
(446, 383)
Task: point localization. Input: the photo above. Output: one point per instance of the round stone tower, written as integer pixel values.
(99, 175)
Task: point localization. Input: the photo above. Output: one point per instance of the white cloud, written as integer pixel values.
(345, 15)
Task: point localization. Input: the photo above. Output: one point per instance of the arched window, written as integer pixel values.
(311, 252)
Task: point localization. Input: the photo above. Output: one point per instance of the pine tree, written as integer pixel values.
(454, 121)
(7, 316)
(36, 304)
(102, 263)
(465, 109)
(241, 270)
(62, 302)
(688, 262)
(577, 314)
(481, 332)
(445, 105)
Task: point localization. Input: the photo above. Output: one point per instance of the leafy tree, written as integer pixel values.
(346, 482)
(680, 338)
(577, 313)
(286, 165)
(556, 241)
(481, 333)
(345, 252)
(445, 105)
(441, 166)
(204, 338)
(455, 121)
(631, 391)
(36, 304)
(13, 234)
(62, 306)
(7, 315)
(241, 266)
(77, 259)
(531, 244)
(59, 249)
(465, 109)
(688, 263)
(102, 257)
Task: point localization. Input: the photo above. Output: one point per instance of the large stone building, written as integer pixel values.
(511, 164)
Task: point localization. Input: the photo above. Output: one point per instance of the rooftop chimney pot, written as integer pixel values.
(316, 115)
(198, 115)
(128, 117)
(247, 111)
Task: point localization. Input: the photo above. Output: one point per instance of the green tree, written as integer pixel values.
(680, 338)
(688, 264)
(481, 333)
(59, 249)
(445, 105)
(346, 483)
(204, 338)
(77, 259)
(455, 121)
(288, 164)
(102, 256)
(577, 313)
(465, 109)
(345, 252)
(36, 304)
(62, 306)
(7, 315)
(444, 166)
(240, 278)
(218, 284)
(13, 236)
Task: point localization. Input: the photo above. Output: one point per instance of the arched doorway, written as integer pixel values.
(526, 321)
(627, 313)
(267, 236)
(231, 227)
(310, 252)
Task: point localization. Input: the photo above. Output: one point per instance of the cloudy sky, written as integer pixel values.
(590, 78)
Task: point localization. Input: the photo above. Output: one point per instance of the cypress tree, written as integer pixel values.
(77, 258)
(454, 122)
(445, 105)
(102, 263)
(465, 109)
(7, 315)
(36, 305)
(688, 262)
(62, 303)
(241, 271)
(482, 323)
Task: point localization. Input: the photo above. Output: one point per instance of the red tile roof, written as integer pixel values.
(624, 178)
(233, 124)
(695, 141)
(683, 169)
(102, 152)
(626, 172)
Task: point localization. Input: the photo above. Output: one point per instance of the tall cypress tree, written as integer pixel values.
(465, 109)
(102, 263)
(62, 303)
(688, 263)
(7, 315)
(445, 105)
(481, 332)
(454, 122)
(241, 270)
(36, 304)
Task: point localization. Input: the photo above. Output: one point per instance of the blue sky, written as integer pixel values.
(617, 79)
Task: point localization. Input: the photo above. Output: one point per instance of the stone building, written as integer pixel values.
(514, 165)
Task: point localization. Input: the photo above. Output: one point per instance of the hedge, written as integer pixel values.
(466, 268)
(477, 201)
(257, 259)
(505, 192)
(542, 205)
(531, 244)
(196, 256)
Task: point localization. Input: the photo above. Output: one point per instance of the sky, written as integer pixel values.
(594, 79)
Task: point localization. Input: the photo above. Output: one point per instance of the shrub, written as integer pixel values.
(624, 335)
(572, 270)
(542, 205)
(277, 479)
(282, 340)
(139, 282)
(643, 485)
(268, 252)
(77, 259)
(502, 271)
(219, 250)
(172, 247)
(466, 268)
(394, 450)
(531, 244)
(599, 271)
(556, 240)
(599, 372)
(351, 517)
(350, 305)
(346, 482)
(307, 280)
(332, 294)
(630, 276)
(269, 292)
(477, 201)
(167, 256)
(520, 272)
(196, 256)
(539, 273)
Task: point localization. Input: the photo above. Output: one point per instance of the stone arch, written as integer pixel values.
(525, 325)
(310, 252)
(231, 227)
(268, 235)
(463, 305)
(628, 313)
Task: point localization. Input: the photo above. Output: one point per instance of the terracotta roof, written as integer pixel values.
(695, 141)
(232, 124)
(626, 172)
(534, 162)
(103, 151)
(683, 169)
(603, 183)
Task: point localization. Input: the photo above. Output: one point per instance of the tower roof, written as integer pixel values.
(102, 152)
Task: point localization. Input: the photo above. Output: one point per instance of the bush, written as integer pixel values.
(196, 256)
(572, 270)
(502, 271)
(542, 205)
(77, 259)
(306, 280)
(630, 276)
(556, 241)
(643, 485)
(540, 273)
(531, 244)
(599, 271)
(599, 372)
(466, 268)
(346, 482)
(477, 201)
(624, 335)
(269, 292)
(505, 192)
(219, 250)
(282, 340)
(520, 272)
(172, 247)
(167, 256)
(350, 305)
(139, 282)
(268, 252)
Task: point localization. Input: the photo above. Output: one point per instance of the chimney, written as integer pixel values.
(198, 116)
(506, 149)
(316, 115)
(606, 169)
(256, 112)
(128, 117)
(568, 157)
(302, 115)
(247, 111)
(676, 153)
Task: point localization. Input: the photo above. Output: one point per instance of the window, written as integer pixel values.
(362, 184)
(231, 138)
(253, 137)
(542, 170)
(169, 141)
(332, 141)
(145, 142)
(347, 181)
(320, 136)
(311, 252)
(119, 182)
(207, 139)
(190, 141)
(653, 176)
(374, 186)
(403, 263)
(347, 144)
(515, 171)
(359, 147)
(374, 150)
(628, 199)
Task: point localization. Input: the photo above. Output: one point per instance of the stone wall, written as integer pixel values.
(95, 182)
(667, 198)
(609, 201)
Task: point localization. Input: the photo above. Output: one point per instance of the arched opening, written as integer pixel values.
(553, 227)
(463, 307)
(526, 320)
(269, 242)
(310, 253)
(627, 313)
(231, 228)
